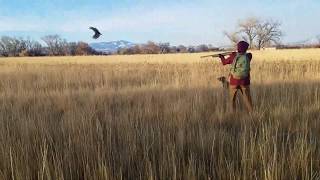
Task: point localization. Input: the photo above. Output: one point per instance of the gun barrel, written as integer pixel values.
(217, 55)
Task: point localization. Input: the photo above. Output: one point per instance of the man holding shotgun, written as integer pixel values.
(239, 75)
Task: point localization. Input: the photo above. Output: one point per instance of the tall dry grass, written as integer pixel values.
(156, 121)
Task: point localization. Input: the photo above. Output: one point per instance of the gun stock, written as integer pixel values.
(217, 55)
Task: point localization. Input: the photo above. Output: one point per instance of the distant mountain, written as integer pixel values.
(110, 47)
(307, 42)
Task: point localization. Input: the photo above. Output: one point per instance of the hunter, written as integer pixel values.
(239, 77)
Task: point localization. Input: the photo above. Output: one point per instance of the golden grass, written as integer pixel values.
(95, 118)
(268, 55)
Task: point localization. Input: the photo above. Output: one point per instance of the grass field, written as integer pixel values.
(158, 117)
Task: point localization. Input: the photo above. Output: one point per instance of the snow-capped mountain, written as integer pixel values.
(307, 42)
(110, 47)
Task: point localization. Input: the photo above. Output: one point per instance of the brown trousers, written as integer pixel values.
(246, 96)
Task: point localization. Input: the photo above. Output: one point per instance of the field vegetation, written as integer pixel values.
(158, 117)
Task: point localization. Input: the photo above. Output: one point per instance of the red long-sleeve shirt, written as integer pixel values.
(233, 81)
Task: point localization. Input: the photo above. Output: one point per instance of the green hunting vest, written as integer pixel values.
(240, 67)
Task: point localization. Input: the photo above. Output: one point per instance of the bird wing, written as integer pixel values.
(96, 36)
(97, 33)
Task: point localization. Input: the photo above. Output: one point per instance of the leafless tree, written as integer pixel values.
(78, 49)
(150, 48)
(256, 32)
(72, 48)
(191, 49)
(248, 29)
(182, 49)
(10, 46)
(233, 37)
(268, 32)
(3, 48)
(164, 48)
(34, 48)
(202, 48)
(84, 49)
(174, 49)
(56, 45)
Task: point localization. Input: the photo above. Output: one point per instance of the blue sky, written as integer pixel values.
(175, 21)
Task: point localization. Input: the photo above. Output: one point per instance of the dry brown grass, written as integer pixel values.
(268, 55)
(91, 119)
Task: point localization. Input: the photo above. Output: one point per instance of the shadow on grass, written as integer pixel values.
(170, 133)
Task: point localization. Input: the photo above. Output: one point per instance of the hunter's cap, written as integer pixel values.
(242, 46)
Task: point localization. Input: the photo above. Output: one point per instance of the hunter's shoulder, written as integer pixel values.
(249, 55)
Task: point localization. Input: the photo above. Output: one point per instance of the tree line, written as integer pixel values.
(53, 45)
(164, 48)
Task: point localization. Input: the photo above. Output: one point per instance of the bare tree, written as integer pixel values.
(56, 45)
(248, 28)
(233, 37)
(318, 37)
(191, 49)
(84, 49)
(33, 48)
(268, 32)
(3, 48)
(202, 48)
(259, 33)
(10, 46)
(174, 49)
(72, 48)
(136, 49)
(164, 48)
(150, 48)
(182, 49)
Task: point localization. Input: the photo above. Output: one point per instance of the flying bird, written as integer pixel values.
(97, 33)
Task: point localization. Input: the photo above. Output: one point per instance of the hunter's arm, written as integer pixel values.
(229, 59)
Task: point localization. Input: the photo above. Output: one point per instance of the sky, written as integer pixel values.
(188, 22)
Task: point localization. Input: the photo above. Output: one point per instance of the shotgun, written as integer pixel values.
(217, 55)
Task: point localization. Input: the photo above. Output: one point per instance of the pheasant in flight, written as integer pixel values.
(97, 33)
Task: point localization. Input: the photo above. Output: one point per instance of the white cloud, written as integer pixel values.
(19, 24)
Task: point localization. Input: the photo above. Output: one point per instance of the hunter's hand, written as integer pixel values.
(221, 56)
